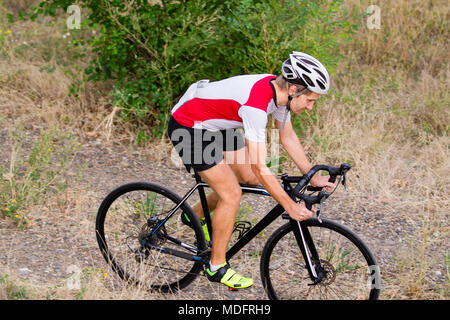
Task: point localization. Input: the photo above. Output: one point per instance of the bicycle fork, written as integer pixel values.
(308, 250)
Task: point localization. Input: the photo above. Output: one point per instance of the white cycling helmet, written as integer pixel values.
(305, 70)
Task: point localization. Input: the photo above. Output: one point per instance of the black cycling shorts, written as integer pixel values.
(202, 149)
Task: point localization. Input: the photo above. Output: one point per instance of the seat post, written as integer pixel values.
(197, 177)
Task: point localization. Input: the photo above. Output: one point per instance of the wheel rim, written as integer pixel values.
(347, 270)
(123, 224)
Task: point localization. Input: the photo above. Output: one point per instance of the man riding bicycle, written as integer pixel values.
(213, 111)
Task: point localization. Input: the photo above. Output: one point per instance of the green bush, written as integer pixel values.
(152, 51)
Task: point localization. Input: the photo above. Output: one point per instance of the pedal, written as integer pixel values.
(232, 289)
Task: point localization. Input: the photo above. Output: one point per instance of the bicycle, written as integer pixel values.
(141, 235)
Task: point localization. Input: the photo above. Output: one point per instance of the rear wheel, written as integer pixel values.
(133, 240)
(347, 267)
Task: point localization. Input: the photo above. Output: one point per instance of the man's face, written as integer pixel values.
(304, 102)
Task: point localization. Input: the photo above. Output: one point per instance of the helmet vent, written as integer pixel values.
(321, 74)
(302, 67)
(287, 70)
(320, 84)
(310, 63)
(308, 80)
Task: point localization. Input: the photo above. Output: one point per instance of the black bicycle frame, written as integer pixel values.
(253, 232)
(302, 235)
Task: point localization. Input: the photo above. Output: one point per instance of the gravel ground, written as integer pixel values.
(63, 238)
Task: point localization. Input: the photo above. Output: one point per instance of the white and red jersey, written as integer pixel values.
(237, 102)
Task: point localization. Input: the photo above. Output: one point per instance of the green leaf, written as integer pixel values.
(10, 17)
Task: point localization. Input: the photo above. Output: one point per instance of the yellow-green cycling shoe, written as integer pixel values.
(229, 277)
(186, 221)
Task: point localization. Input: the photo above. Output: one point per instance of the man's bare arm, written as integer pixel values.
(295, 150)
(257, 153)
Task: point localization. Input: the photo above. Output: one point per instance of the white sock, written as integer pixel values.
(214, 268)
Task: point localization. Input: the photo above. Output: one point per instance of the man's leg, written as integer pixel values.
(227, 191)
(212, 200)
(240, 165)
(225, 184)
(239, 162)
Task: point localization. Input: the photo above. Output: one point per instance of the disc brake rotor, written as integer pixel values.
(327, 272)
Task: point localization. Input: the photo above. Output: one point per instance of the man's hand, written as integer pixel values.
(299, 212)
(322, 181)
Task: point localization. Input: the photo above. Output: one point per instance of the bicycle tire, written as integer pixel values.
(281, 251)
(121, 225)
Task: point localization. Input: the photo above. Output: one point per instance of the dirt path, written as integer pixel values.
(62, 238)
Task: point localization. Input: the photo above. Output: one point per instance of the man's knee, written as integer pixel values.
(248, 177)
(252, 180)
(232, 196)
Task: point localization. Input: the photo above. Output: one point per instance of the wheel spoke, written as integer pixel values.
(131, 219)
(344, 265)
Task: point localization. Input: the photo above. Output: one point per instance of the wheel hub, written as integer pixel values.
(147, 236)
(326, 273)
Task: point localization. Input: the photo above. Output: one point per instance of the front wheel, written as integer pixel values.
(348, 268)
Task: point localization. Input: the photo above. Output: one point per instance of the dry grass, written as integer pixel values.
(389, 117)
(413, 36)
(390, 120)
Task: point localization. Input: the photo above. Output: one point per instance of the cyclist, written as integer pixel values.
(203, 127)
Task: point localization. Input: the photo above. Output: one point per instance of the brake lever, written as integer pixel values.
(344, 168)
(319, 212)
(344, 180)
(322, 200)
